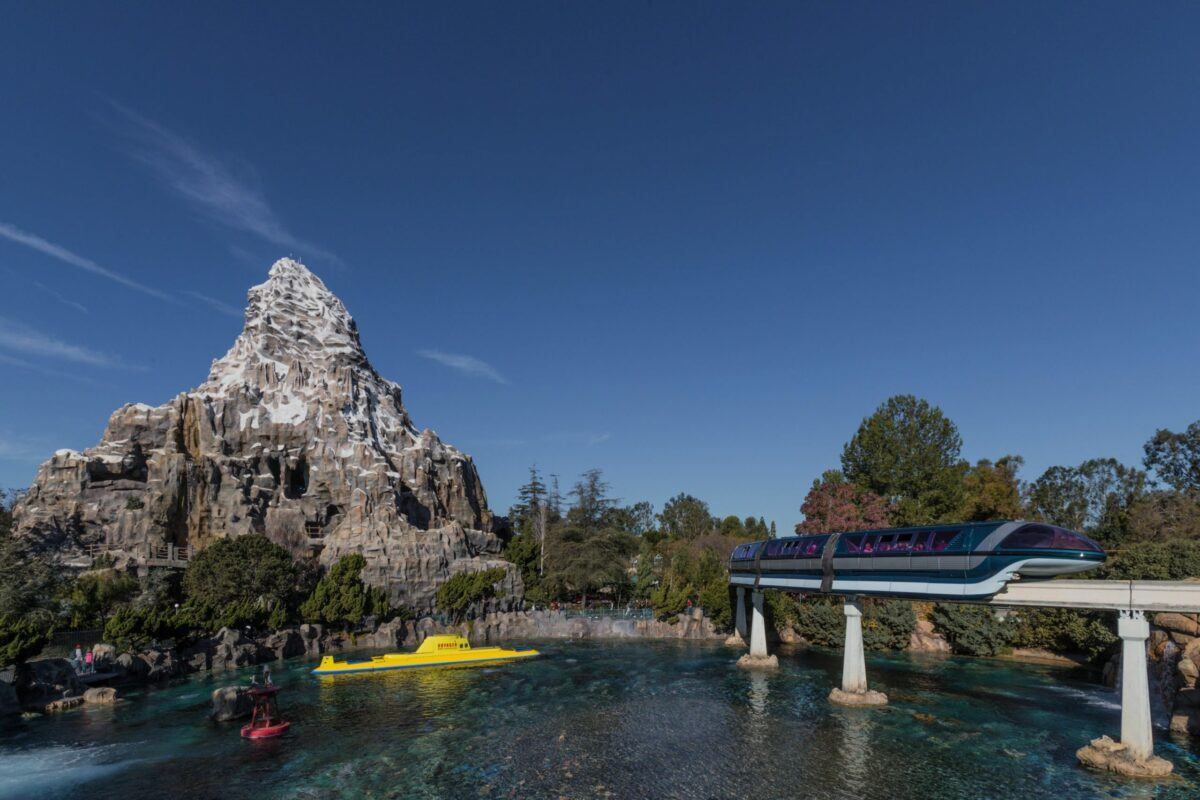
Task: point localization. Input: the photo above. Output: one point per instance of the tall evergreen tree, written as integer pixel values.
(907, 452)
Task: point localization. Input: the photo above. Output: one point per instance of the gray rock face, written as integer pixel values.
(230, 702)
(293, 435)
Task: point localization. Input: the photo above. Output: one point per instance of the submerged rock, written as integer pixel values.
(868, 698)
(1105, 754)
(749, 661)
(293, 435)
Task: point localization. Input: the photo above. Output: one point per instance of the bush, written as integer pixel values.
(888, 624)
(715, 599)
(341, 598)
(972, 630)
(463, 590)
(22, 637)
(1154, 561)
(669, 599)
(240, 570)
(818, 618)
(1062, 630)
(94, 595)
(133, 627)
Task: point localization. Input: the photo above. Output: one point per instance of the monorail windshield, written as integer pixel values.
(1047, 537)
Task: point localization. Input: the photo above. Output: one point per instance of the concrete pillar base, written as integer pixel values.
(751, 661)
(735, 640)
(1105, 754)
(868, 698)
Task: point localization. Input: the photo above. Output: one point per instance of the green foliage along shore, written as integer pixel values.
(903, 465)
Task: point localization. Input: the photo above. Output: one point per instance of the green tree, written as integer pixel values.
(992, 491)
(22, 637)
(907, 452)
(1064, 630)
(93, 596)
(972, 630)
(456, 595)
(1165, 515)
(686, 517)
(1094, 497)
(242, 572)
(342, 599)
(1175, 457)
(531, 498)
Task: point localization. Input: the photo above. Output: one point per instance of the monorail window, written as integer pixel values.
(941, 540)
(854, 542)
(1047, 537)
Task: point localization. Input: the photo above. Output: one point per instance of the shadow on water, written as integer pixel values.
(601, 719)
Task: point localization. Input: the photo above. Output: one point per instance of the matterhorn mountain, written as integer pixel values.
(293, 435)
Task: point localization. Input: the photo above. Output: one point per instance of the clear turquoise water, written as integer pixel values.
(601, 719)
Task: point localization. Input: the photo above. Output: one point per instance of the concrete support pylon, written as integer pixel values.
(854, 691)
(1134, 755)
(758, 656)
(758, 631)
(1136, 731)
(740, 620)
(854, 660)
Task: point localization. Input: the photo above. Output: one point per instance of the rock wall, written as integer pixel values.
(1175, 651)
(293, 435)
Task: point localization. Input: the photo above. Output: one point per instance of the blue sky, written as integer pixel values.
(691, 244)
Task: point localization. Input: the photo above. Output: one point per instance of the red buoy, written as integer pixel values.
(264, 719)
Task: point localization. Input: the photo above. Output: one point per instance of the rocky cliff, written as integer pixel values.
(293, 435)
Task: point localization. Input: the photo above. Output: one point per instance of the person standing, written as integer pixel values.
(89, 665)
(77, 658)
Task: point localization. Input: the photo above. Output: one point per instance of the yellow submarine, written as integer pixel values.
(442, 650)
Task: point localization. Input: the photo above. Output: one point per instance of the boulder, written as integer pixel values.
(1105, 754)
(1185, 720)
(229, 703)
(100, 696)
(63, 704)
(1186, 624)
(132, 667)
(226, 649)
(41, 681)
(9, 702)
(160, 665)
(104, 656)
(925, 639)
(285, 643)
(311, 635)
(389, 635)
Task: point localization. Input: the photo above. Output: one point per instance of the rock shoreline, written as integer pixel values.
(52, 684)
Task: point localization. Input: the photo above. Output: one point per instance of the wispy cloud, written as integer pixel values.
(216, 305)
(15, 234)
(467, 365)
(60, 298)
(226, 194)
(22, 339)
(581, 437)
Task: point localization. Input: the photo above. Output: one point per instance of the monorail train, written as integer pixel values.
(969, 560)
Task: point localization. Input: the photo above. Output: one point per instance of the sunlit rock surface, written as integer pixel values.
(293, 435)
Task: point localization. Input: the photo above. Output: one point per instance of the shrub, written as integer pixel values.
(94, 595)
(341, 598)
(21, 637)
(1150, 561)
(819, 619)
(888, 624)
(972, 630)
(134, 627)
(239, 570)
(714, 598)
(1062, 630)
(669, 599)
(463, 590)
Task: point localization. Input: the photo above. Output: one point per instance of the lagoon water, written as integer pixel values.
(601, 719)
